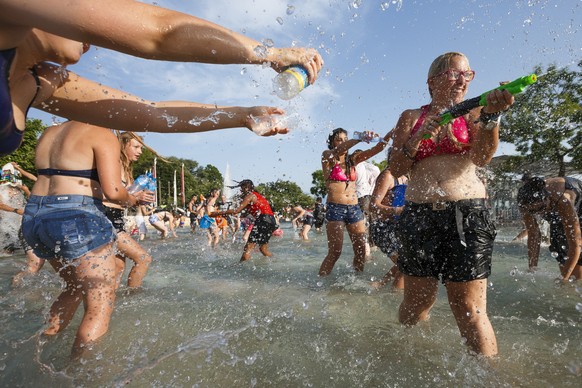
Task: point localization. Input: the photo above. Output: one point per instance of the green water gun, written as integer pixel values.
(464, 107)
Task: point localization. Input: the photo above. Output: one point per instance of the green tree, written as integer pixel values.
(284, 193)
(318, 181)
(197, 179)
(544, 123)
(24, 155)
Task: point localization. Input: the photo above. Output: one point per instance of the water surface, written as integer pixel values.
(205, 320)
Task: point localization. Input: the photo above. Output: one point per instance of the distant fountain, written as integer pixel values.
(226, 190)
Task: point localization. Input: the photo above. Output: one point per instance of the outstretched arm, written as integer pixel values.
(146, 31)
(24, 173)
(80, 99)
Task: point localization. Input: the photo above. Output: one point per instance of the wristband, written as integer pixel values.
(486, 118)
(490, 121)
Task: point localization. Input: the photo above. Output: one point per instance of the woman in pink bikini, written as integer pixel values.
(343, 210)
(445, 229)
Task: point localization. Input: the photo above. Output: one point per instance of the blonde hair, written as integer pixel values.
(124, 139)
(440, 64)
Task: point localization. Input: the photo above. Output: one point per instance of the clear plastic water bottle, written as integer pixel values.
(140, 183)
(151, 186)
(362, 136)
(290, 82)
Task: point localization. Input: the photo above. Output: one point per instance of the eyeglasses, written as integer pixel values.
(453, 75)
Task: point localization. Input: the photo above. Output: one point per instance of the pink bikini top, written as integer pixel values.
(428, 147)
(337, 174)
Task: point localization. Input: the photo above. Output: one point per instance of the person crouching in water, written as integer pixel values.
(257, 206)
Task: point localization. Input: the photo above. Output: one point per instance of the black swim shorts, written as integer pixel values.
(263, 229)
(451, 241)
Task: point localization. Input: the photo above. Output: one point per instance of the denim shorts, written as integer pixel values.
(65, 226)
(349, 214)
(451, 242)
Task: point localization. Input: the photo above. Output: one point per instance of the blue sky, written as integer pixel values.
(376, 54)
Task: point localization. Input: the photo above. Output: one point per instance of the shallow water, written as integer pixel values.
(204, 320)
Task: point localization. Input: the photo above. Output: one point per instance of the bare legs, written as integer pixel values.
(305, 232)
(468, 302)
(335, 241)
(249, 246)
(33, 266)
(90, 278)
(129, 248)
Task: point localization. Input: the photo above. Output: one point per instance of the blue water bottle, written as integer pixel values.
(140, 183)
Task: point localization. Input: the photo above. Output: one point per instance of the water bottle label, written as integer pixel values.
(300, 74)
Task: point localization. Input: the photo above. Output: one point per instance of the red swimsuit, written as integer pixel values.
(428, 147)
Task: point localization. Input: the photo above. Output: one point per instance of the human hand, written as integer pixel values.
(266, 121)
(498, 101)
(308, 58)
(430, 127)
(145, 196)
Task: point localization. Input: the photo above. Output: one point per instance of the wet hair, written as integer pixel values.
(333, 135)
(533, 190)
(124, 139)
(247, 183)
(440, 64)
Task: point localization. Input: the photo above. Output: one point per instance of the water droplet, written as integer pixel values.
(280, 20)
(290, 9)
(268, 42)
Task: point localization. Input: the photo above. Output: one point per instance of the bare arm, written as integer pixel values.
(80, 99)
(384, 183)
(146, 31)
(24, 173)
(486, 141)
(401, 161)
(367, 154)
(106, 152)
(247, 200)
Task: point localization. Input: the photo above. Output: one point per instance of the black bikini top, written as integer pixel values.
(89, 174)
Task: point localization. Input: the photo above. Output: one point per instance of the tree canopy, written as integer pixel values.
(544, 122)
(24, 155)
(285, 193)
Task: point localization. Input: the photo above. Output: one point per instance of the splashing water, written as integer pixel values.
(171, 120)
(207, 320)
(386, 4)
(214, 117)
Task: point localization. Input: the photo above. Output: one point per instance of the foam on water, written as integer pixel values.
(203, 319)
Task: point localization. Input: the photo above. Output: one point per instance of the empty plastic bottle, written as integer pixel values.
(290, 82)
(151, 186)
(140, 183)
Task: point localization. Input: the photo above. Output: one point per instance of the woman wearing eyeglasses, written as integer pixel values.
(445, 229)
(558, 201)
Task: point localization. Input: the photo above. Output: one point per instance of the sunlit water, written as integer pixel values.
(204, 320)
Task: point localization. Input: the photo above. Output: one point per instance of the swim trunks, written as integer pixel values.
(451, 241)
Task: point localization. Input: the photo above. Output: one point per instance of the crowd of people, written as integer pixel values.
(74, 216)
